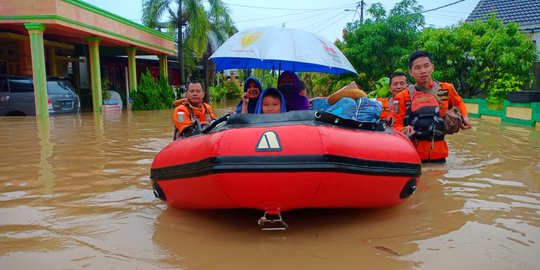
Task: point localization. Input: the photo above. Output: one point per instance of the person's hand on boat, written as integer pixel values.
(466, 123)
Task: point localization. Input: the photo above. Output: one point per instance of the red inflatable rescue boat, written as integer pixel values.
(281, 162)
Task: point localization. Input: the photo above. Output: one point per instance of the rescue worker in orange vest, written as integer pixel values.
(398, 82)
(434, 150)
(193, 113)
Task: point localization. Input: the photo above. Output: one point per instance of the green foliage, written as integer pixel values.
(152, 95)
(382, 43)
(501, 87)
(323, 85)
(201, 21)
(199, 27)
(266, 78)
(380, 88)
(217, 93)
(229, 89)
(495, 107)
(233, 89)
(165, 92)
(105, 88)
(476, 56)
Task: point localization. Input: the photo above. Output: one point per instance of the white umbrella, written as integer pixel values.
(280, 48)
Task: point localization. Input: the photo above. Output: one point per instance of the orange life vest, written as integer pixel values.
(424, 114)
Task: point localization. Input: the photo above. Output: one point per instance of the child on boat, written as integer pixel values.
(271, 101)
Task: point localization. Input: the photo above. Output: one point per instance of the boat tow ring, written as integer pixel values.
(272, 222)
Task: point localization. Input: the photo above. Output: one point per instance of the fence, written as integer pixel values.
(515, 113)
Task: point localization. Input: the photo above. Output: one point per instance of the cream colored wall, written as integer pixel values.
(519, 113)
(472, 108)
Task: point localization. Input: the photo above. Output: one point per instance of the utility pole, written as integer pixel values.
(362, 4)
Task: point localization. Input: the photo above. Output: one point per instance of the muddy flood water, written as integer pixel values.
(75, 194)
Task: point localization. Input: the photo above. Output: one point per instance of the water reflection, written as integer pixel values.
(45, 169)
(75, 193)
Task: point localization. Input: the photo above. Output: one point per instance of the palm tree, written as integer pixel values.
(189, 17)
(221, 28)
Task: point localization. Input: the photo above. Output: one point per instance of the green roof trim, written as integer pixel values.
(92, 39)
(34, 26)
(117, 18)
(87, 26)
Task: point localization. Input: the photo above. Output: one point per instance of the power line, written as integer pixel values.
(273, 17)
(447, 5)
(311, 16)
(289, 14)
(323, 22)
(330, 24)
(317, 20)
(305, 9)
(246, 6)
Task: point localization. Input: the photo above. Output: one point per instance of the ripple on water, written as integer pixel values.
(24, 215)
(509, 183)
(7, 196)
(456, 173)
(78, 195)
(144, 161)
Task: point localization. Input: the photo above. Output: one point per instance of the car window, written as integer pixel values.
(60, 88)
(3, 85)
(21, 85)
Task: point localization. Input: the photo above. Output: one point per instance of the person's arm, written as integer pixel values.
(457, 101)
(181, 118)
(398, 110)
(212, 115)
(210, 111)
(245, 103)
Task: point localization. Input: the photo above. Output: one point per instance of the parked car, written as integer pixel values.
(115, 99)
(17, 96)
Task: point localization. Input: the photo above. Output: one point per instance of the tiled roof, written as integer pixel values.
(524, 12)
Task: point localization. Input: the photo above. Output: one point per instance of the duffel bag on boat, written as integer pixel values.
(335, 120)
(362, 109)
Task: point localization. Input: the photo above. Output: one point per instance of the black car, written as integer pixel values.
(17, 96)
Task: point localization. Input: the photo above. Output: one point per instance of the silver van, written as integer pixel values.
(17, 96)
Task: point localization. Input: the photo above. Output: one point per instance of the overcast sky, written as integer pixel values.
(323, 17)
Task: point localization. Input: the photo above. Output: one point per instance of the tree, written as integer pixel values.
(478, 56)
(152, 94)
(380, 44)
(189, 17)
(221, 28)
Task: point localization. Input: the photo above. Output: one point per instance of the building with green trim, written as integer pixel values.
(69, 38)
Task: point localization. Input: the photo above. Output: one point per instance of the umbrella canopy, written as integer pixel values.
(281, 48)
